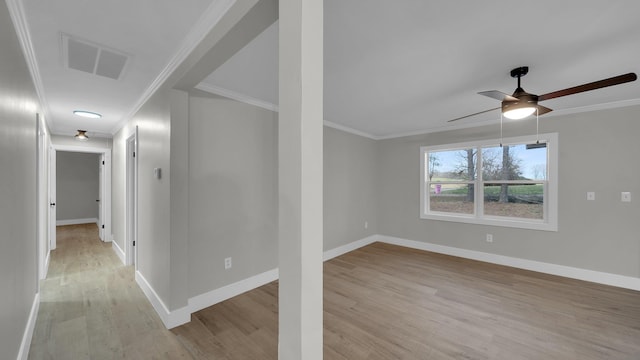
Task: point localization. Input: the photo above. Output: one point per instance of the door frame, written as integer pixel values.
(42, 196)
(131, 200)
(51, 209)
(105, 202)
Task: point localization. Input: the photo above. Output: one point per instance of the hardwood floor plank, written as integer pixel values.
(388, 302)
(380, 302)
(91, 307)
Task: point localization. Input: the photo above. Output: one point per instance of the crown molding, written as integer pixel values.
(555, 113)
(350, 130)
(203, 26)
(217, 90)
(19, 18)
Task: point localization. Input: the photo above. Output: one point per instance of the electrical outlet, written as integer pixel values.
(366, 224)
(591, 195)
(227, 263)
(489, 238)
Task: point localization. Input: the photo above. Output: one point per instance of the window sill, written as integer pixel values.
(493, 221)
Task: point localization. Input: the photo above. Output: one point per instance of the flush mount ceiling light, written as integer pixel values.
(81, 135)
(87, 114)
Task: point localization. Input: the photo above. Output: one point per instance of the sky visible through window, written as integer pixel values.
(530, 160)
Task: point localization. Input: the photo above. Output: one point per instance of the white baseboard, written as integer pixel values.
(23, 354)
(341, 250)
(627, 282)
(76, 221)
(213, 297)
(170, 319)
(202, 301)
(118, 251)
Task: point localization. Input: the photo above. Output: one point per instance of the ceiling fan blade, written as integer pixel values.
(616, 80)
(498, 95)
(543, 110)
(470, 115)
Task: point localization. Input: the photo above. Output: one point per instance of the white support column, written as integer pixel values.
(300, 179)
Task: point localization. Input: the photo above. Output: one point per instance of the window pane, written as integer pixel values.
(520, 201)
(453, 198)
(514, 162)
(451, 165)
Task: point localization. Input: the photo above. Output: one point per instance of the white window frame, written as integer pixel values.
(550, 220)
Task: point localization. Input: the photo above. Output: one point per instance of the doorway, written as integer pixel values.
(104, 203)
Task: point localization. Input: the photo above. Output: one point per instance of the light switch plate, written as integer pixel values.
(626, 196)
(591, 195)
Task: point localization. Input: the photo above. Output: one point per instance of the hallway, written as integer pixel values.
(92, 308)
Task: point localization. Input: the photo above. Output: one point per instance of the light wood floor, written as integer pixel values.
(380, 302)
(387, 302)
(92, 308)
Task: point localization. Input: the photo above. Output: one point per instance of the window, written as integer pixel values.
(512, 185)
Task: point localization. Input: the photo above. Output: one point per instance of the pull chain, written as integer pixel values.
(537, 125)
(500, 128)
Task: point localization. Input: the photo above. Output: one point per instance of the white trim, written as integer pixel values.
(170, 319)
(82, 149)
(550, 221)
(45, 271)
(341, 250)
(496, 120)
(23, 354)
(77, 221)
(599, 277)
(18, 15)
(199, 31)
(183, 315)
(217, 90)
(349, 130)
(213, 297)
(116, 249)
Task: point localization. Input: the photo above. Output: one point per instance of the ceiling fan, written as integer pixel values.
(522, 104)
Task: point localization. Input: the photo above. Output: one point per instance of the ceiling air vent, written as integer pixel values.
(92, 58)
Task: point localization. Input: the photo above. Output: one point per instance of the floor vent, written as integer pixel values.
(92, 58)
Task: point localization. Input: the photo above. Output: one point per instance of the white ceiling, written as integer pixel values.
(391, 67)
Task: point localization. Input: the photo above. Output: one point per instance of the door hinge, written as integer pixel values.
(102, 162)
(134, 154)
(103, 226)
(134, 243)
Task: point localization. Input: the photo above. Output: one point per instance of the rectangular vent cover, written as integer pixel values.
(93, 58)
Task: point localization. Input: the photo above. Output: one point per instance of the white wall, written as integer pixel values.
(598, 152)
(77, 185)
(18, 255)
(70, 141)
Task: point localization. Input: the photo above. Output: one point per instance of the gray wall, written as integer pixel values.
(18, 254)
(350, 188)
(233, 187)
(77, 185)
(598, 152)
(227, 151)
(162, 242)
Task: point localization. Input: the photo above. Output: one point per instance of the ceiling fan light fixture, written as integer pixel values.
(81, 135)
(519, 112)
(87, 114)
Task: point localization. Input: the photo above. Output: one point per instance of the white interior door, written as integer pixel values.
(101, 221)
(52, 198)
